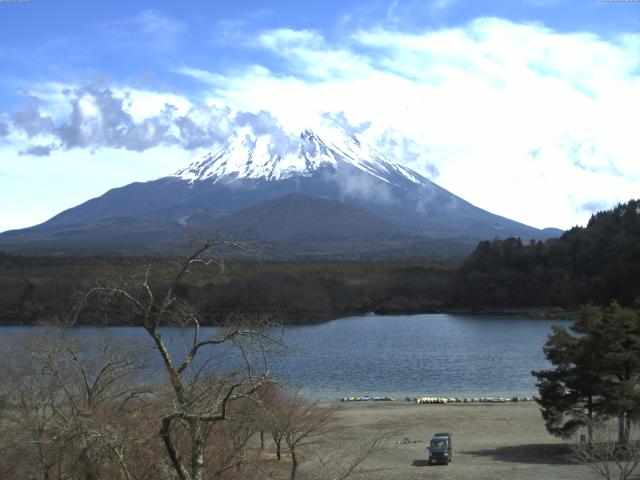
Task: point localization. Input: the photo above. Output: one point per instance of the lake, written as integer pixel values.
(403, 355)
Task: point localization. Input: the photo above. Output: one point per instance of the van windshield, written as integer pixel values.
(438, 444)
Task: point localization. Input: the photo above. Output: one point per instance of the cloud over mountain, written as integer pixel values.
(101, 118)
(530, 118)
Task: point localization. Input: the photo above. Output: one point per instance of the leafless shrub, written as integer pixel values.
(606, 455)
(338, 462)
(73, 406)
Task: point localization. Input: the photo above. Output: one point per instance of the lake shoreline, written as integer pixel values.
(551, 313)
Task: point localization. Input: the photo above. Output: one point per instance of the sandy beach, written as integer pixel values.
(492, 441)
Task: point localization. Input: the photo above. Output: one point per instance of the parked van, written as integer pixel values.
(441, 448)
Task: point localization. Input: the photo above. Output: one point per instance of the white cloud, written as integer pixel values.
(103, 117)
(287, 38)
(392, 8)
(310, 56)
(478, 99)
(517, 118)
(437, 5)
(142, 104)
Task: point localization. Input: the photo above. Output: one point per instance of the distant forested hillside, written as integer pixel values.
(38, 288)
(593, 264)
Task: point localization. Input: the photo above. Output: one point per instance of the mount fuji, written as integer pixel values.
(323, 192)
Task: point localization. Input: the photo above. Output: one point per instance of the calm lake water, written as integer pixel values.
(416, 355)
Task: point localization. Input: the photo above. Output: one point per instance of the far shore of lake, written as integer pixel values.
(551, 313)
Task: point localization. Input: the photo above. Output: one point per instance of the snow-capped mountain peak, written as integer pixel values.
(323, 187)
(278, 156)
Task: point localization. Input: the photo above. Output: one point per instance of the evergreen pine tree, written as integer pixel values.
(596, 372)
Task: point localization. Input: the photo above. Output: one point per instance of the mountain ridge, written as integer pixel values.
(248, 172)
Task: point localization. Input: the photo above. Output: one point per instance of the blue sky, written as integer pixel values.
(527, 109)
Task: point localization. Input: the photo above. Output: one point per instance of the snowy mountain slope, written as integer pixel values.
(250, 171)
(262, 158)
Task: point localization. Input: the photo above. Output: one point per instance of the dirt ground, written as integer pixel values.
(491, 441)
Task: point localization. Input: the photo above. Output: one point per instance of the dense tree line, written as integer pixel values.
(593, 264)
(290, 292)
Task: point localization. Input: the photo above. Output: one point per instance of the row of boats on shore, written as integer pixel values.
(367, 399)
(441, 400)
(444, 400)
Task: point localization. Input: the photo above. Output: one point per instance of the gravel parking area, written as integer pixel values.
(491, 441)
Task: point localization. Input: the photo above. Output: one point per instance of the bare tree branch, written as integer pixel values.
(606, 455)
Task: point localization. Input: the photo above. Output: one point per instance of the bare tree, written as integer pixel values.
(27, 447)
(200, 391)
(339, 463)
(272, 398)
(231, 453)
(73, 406)
(298, 422)
(606, 455)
